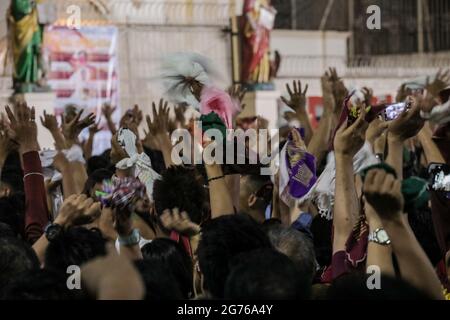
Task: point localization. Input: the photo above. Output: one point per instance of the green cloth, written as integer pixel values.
(213, 121)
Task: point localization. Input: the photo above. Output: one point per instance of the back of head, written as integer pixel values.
(159, 284)
(298, 247)
(96, 177)
(222, 239)
(40, 284)
(264, 274)
(95, 163)
(174, 258)
(12, 212)
(180, 187)
(74, 246)
(354, 286)
(16, 257)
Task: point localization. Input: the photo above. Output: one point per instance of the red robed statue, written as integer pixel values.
(259, 17)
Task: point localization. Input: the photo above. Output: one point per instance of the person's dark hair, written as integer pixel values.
(13, 179)
(6, 230)
(222, 239)
(95, 163)
(262, 187)
(74, 246)
(12, 212)
(40, 284)
(353, 286)
(96, 177)
(16, 257)
(264, 274)
(298, 247)
(174, 259)
(159, 284)
(180, 187)
(321, 229)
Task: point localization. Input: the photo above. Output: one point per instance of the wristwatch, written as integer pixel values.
(52, 231)
(379, 236)
(130, 240)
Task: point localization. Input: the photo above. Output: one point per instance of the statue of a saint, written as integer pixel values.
(26, 38)
(259, 18)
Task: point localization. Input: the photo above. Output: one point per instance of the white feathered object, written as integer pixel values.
(178, 70)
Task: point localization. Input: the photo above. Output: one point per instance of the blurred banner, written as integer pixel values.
(82, 69)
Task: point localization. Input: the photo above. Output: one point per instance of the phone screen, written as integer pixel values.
(392, 111)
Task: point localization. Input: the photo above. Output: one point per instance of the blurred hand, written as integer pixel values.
(107, 110)
(375, 129)
(180, 222)
(350, 139)
(338, 88)
(368, 95)
(78, 209)
(440, 82)
(383, 192)
(49, 121)
(329, 103)
(297, 98)
(24, 127)
(72, 129)
(238, 92)
(60, 162)
(112, 277)
(158, 126)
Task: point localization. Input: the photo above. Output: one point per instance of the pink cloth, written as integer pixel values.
(214, 99)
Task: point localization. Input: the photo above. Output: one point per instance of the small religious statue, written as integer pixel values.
(25, 41)
(257, 69)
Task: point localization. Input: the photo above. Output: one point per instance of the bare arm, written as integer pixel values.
(383, 192)
(219, 194)
(347, 143)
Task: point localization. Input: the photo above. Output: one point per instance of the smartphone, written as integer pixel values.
(439, 177)
(392, 111)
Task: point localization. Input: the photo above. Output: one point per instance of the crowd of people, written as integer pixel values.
(351, 213)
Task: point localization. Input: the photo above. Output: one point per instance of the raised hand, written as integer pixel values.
(180, 222)
(158, 126)
(338, 87)
(368, 95)
(94, 129)
(383, 192)
(297, 97)
(329, 103)
(107, 110)
(238, 92)
(49, 121)
(78, 209)
(71, 129)
(409, 122)
(112, 277)
(350, 139)
(440, 82)
(402, 93)
(24, 127)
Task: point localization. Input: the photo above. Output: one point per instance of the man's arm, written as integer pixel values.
(36, 212)
(383, 193)
(348, 141)
(297, 102)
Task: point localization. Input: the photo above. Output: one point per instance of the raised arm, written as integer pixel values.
(383, 193)
(73, 173)
(107, 111)
(36, 212)
(348, 141)
(158, 135)
(49, 121)
(297, 102)
(407, 125)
